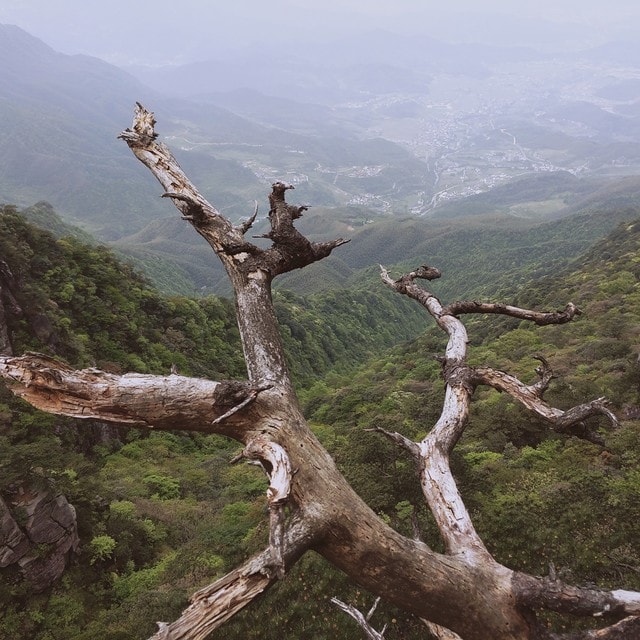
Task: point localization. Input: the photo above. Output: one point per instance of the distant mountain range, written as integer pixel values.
(60, 115)
(470, 139)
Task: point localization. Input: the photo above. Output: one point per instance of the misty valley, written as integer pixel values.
(512, 172)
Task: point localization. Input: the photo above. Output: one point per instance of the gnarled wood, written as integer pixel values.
(275, 462)
(538, 317)
(530, 396)
(438, 485)
(170, 402)
(216, 603)
(250, 268)
(464, 590)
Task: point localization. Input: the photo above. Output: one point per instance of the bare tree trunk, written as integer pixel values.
(463, 592)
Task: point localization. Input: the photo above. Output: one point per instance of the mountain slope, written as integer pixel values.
(160, 516)
(536, 497)
(475, 254)
(60, 115)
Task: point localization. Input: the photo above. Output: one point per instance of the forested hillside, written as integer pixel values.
(159, 514)
(146, 507)
(474, 250)
(537, 497)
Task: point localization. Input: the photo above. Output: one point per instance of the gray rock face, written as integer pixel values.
(49, 518)
(13, 542)
(42, 542)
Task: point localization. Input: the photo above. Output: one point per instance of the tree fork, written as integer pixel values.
(464, 590)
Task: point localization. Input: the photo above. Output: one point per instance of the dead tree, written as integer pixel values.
(463, 590)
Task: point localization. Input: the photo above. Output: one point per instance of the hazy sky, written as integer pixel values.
(184, 30)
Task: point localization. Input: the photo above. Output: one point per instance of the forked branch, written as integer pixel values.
(194, 207)
(364, 622)
(290, 250)
(438, 485)
(251, 269)
(465, 589)
(530, 396)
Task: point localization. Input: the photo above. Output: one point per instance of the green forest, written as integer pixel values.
(159, 515)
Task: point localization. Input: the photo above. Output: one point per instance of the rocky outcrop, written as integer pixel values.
(38, 533)
(14, 544)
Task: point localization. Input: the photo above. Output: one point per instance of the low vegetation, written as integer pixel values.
(161, 515)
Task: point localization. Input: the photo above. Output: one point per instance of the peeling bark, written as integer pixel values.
(275, 462)
(170, 402)
(216, 603)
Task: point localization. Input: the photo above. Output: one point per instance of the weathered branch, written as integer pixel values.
(464, 590)
(545, 374)
(363, 621)
(440, 633)
(250, 268)
(575, 415)
(438, 484)
(138, 400)
(627, 629)
(275, 462)
(555, 595)
(400, 440)
(456, 350)
(290, 250)
(247, 224)
(568, 421)
(245, 402)
(540, 318)
(205, 218)
(213, 605)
